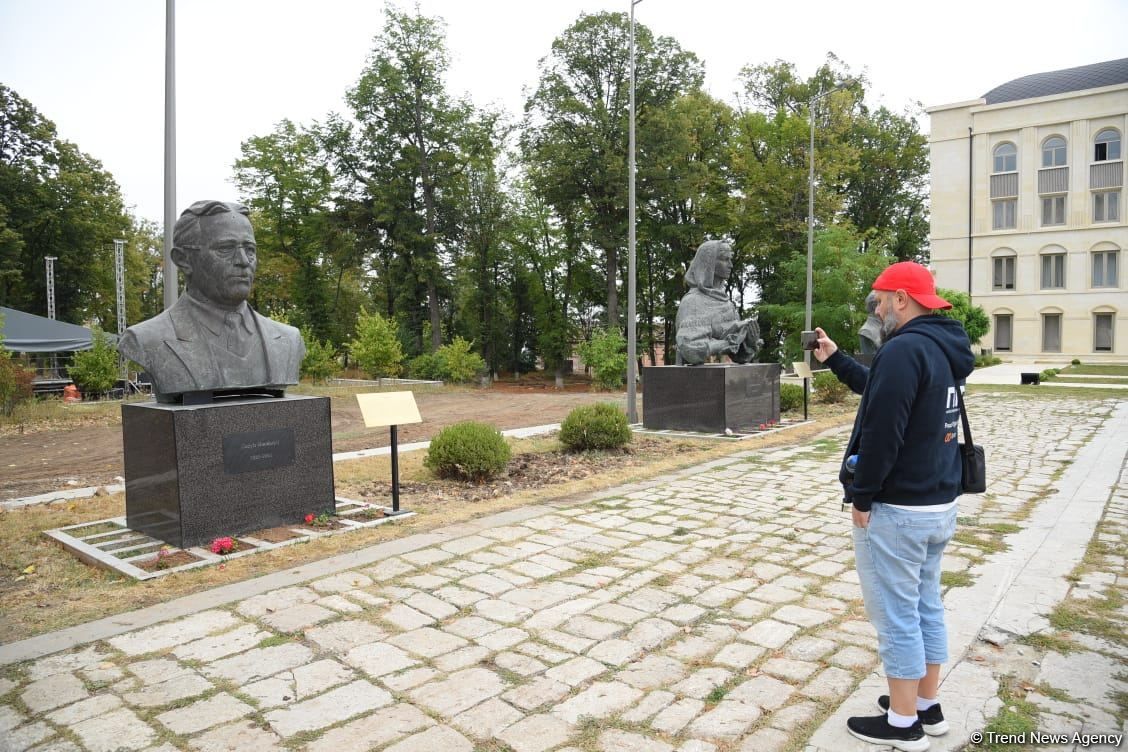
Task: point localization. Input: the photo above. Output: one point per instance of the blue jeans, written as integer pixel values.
(898, 561)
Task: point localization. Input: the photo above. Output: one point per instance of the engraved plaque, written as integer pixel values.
(258, 450)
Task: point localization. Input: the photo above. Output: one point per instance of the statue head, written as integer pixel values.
(213, 243)
(871, 303)
(711, 265)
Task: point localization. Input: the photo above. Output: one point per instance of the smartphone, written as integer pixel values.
(809, 340)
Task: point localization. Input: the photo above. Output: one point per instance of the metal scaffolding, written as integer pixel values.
(50, 285)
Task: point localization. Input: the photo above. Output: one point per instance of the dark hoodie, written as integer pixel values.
(905, 433)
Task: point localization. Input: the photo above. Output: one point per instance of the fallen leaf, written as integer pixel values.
(30, 569)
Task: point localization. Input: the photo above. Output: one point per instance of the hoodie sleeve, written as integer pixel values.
(894, 388)
(849, 371)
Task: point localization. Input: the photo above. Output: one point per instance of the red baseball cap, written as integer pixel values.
(915, 280)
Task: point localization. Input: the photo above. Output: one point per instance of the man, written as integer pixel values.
(210, 339)
(903, 490)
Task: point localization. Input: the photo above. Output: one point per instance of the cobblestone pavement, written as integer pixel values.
(716, 610)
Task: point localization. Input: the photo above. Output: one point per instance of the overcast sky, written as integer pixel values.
(96, 68)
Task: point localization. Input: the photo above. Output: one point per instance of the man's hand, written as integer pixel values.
(825, 349)
(861, 519)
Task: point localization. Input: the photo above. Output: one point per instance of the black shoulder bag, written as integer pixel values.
(972, 460)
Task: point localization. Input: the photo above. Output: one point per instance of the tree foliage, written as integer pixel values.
(973, 317)
(95, 371)
(376, 348)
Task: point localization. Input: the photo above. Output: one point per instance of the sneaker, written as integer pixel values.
(932, 719)
(875, 729)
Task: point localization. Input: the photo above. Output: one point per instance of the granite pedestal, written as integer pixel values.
(197, 472)
(710, 398)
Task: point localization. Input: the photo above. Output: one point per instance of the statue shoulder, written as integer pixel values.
(273, 328)
(150, 331)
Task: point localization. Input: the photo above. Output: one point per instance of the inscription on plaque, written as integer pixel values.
(258, 450)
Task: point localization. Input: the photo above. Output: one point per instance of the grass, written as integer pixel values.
(956, 579)
(1097, 369)
(1015, 390)
(1017, 716)
(63, 591)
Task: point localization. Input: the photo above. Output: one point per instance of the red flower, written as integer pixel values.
(309, 518)
(222, 546)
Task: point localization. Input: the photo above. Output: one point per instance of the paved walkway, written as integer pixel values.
(715, 610)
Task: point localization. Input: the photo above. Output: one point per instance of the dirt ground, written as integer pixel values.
(49, 459)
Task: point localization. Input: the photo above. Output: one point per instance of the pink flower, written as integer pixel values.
(222, 546)
(309, 518)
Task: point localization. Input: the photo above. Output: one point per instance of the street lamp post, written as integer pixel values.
(632, 345)
(811, 228)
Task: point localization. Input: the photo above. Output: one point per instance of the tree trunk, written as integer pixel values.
(612, 287)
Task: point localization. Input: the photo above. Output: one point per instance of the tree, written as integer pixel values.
(376, 347)
(402, 152)
(606, 353)
(843, 273)
(576, 134)
(57, 201)
(320, 361)
(95, 371)
(974, 318)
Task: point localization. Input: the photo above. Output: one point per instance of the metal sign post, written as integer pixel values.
(391, 409)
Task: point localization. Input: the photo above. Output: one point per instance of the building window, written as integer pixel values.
(1102, 332)
(1106, 206)
(1003, 214)
(1104, 268)
(1053, 152)
(1051, 332)
(1002, 273)
(1106, 146)
(1003, 332)
(1053, 210)
(1006, 158)
(1053, 271)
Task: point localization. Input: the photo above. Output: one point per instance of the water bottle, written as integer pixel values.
(851, 464)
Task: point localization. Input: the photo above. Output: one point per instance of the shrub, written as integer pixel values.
(426, 366)
(1075, 362)
(973, 317)
(1049, 374)
(458, 363)
(96, 370)
(470, 450)
(601, 426)
(828, 389)
(790, 397)
(982, 361)
(606, 353)
(376, 347)
(15, 383)
(320, 361)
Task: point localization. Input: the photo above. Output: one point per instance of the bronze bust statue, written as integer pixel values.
(707, 324)
(210, 340)
(869, 336)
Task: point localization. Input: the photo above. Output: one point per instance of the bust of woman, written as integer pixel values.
(707, 323)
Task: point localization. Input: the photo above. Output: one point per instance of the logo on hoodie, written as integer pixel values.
(953, 399)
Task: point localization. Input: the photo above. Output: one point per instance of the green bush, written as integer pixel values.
(606, 353)
(96, 370)
(828, 389)
(459, 364)
(1049, 374)
(469, 450)
(982, 361)
(601, 426)
(790, 397)
(426, 366)
(320, 361)
(376, 347)
(1075, 362)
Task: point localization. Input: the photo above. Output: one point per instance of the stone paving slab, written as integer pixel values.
(711, 610)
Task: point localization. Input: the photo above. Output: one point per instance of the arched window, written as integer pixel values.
(1006, 157)
(1003, 269)
(1106, 146)
(1053, 152)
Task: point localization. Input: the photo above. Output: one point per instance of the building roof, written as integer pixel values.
(1093, 76)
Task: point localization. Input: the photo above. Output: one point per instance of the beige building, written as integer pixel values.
(1028, 211)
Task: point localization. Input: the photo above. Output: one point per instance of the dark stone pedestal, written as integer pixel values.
(197, 472)
(710, 397)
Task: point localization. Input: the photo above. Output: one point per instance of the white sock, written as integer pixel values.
(900, 721)
(923, 704)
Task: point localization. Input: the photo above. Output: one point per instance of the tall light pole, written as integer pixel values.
(50, 261)
(170, 281)
(811, 227)
(632, 345)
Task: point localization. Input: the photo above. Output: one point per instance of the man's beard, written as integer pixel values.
(888, 326)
